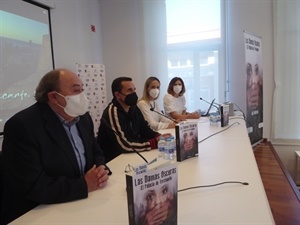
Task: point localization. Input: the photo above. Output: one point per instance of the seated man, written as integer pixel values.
(123, 127)
(49, 150)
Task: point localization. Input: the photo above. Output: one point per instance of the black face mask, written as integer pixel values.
(131, 99)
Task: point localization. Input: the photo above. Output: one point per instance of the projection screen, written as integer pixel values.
(25, 54)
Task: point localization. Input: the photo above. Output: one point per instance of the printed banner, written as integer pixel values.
(93, 78)
(254, 87)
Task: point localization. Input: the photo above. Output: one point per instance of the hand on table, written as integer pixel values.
(96, 177)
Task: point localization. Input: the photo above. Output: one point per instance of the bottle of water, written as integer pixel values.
(173, 144)
(215, 119)
(161, 146)
(168, 148)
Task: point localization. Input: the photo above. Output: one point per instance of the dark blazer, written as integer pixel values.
(40, 166)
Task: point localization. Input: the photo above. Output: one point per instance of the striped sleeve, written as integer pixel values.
(121, 138)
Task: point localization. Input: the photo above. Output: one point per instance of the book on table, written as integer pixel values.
(186, 140)
(224, 111)
(152, 194)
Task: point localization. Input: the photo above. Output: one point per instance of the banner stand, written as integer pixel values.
(254, 87)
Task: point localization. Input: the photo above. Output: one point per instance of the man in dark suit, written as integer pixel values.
(50, 153)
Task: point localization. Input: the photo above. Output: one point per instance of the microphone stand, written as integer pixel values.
(153, 110)
(214, 104)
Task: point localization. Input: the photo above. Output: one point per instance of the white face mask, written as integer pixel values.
(77, 105)
(177, 88)
(154, 92)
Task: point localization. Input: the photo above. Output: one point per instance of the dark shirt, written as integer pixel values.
(133, 131)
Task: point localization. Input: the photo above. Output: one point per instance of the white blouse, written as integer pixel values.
(173, 104)
(156, 121)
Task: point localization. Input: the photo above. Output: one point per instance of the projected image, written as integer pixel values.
(25, 50)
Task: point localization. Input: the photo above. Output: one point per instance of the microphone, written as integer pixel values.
(153, 110)
(214, 104)
(128, 145)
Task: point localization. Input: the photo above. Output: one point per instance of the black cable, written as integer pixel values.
(239, 109)
(122, 139)
(245, 118)
(218, 132)
(212, 185)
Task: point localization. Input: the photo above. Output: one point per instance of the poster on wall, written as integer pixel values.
(94, 85)
(254, 87)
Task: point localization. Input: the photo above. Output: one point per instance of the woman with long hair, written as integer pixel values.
(148, 106)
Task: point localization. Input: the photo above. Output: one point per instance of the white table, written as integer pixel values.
(227, 156)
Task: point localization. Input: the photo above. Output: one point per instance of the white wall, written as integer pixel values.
(73, 40)
(121, 38)
(126, 40)
(254, 17)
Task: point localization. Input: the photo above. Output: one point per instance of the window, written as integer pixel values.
(194, 49)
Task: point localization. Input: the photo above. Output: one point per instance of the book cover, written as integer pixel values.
(152, 196)
(224, 111)
(186, 140)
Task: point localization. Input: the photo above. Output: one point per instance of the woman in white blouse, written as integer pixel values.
(147, 102)
(174, 101)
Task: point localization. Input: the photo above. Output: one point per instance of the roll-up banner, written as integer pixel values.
(254, 87)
